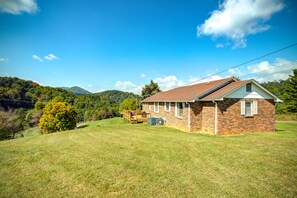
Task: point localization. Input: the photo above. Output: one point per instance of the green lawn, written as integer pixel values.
(126, 160)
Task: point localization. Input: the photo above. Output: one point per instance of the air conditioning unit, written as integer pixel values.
(155, 121)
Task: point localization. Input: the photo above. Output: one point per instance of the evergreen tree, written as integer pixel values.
(291, 93)
(149, 90)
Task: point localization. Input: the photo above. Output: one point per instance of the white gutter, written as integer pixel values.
(216, 117)
(189, 116)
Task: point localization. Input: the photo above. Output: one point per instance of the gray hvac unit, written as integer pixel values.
(155, 121)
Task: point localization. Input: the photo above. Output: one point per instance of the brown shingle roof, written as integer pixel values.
(223, 91)
(190, 92)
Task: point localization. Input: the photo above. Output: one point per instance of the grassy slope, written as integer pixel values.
(142, 161)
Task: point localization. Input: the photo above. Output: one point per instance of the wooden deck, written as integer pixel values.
(135, 116)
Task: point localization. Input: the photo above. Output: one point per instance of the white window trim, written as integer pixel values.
(149, 106)
(176, 109)
(254, 108)
(167, 110)
(156, 104)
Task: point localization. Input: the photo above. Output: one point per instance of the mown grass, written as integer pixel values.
(141, 161)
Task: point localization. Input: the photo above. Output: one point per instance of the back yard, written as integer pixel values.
(111, 159)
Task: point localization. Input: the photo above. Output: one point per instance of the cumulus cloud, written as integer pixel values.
(235, 19)
(265, 71)
(37, 58)
(220, 45)
(50, 57)
(2, 59)
(89, 85)
(210, 77)
(168, 82)
(142, 75)
(18, 6)
(128, 86)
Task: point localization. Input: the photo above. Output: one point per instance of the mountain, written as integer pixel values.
(77, 90)
(117, 96)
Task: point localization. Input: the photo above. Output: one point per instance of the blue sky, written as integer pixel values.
(115, 44)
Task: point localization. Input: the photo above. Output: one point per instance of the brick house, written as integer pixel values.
(225, 106)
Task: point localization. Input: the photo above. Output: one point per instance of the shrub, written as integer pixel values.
(57, 116)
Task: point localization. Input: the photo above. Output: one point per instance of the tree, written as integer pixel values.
(57, 116)
(149, 90)
(12, 122)
(291, 93)
(130, 104)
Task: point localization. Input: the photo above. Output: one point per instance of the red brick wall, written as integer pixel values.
(230, 120)
(208, 117)
(171, 120)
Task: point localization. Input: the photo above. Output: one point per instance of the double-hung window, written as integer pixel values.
(156, 107)
(179, 106)
(167, 106)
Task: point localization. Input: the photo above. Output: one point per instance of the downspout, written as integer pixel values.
(216, 117)
(189, 116)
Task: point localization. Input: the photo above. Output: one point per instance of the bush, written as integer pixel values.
(57, 116)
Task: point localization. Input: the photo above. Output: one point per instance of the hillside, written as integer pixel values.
(118, 96)
(123, 160)
(77, 90)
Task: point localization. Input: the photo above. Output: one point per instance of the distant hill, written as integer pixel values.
(117, 96)
(77, 90)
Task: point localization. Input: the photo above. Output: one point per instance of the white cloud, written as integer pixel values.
(210, 77)
(2, 59)
(51, 57)
(235, 19)
(128, 86)
(18, 6)
(37, 58)
(220, 45)
(265, 71)
(89, 85)
(168, 82)
(142, 75)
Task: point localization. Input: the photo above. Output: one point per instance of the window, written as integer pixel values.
(179, 109)
(167, 106)
(249, 108)
(149, 106)
(249, 87)
(156, 107)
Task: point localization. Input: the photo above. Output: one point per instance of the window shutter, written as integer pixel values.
(176, 109)
(242, 108)
(255, 107)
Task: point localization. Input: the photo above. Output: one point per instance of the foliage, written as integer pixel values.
(11, 122)
(150, 89)
(17, 93)
(94, 107)
(144, 161)
(57, 116)
(291, 93)
(286, 90)
(117, 96)
(130, 104)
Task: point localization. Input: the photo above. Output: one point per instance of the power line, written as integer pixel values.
(16, 100)
(284, 66)
(249, 61)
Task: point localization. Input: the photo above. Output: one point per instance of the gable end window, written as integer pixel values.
(156, 107)
(249, 87)
(167, 106)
